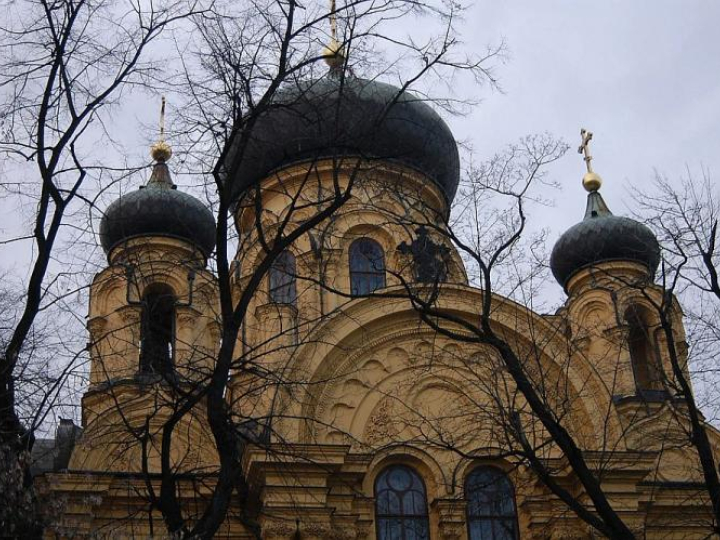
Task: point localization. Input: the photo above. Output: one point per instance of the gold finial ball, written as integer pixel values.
(161, 151)
(334, 55)
(592, 181)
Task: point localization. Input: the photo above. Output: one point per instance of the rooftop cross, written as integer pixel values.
(161, 151)
(585, 147)
(333, 22)
(333, 53)
(591, 180)
(162, 120)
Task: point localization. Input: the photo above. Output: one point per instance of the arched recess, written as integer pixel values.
(282, 279)
(644, 352)
(359, 224)
(108, 291)
(157, 330)
(343, 341)
(425, 464)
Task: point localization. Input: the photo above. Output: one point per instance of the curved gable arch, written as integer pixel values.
(338, 345)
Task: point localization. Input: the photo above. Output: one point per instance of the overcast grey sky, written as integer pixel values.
(643, 76)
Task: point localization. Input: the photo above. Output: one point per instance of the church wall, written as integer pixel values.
(362, 384)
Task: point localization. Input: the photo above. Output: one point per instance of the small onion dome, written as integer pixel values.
(334, 116)
(601, 237)
(158, 209)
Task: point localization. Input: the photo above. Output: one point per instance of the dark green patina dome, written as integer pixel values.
(332, 116)
(158, 209)
(602, 237)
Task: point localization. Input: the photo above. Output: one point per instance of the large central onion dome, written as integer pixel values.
(158, 209)
(602, 237)
(334, 116)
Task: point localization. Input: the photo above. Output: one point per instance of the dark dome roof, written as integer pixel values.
(158, 209)
(354, 117)
(602, 237)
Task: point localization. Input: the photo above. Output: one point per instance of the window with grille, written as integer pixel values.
(367, 267)
(401, 505)
(491, 513)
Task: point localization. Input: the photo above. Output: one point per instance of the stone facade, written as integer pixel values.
(361, 384)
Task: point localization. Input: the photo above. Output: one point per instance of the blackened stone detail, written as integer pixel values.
(430, 260)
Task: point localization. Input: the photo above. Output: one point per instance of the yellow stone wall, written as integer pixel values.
(116, 400)
(361, 383)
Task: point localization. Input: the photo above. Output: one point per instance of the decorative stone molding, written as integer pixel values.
(130, 315)
(95, 326)
(363, 530)
(451, 517)
(380, 427)
(188, 316)
(156, 248)
(278, 529)
(286, 530)
(617, 335)
(451, 531)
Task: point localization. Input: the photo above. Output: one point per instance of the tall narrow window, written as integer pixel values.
(157, 330)
(367, 267)
(491, 511)
(401, 505)
(282, 279)
(643, 356)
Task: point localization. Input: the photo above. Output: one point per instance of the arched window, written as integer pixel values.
(157, 331)
(401, 505)
(490, 505)
(643, 355)
(367, 267)
(282, 279)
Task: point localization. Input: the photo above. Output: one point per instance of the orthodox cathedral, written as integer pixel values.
(363, 418)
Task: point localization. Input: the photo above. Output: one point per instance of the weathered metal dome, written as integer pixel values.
(332, 116)
(158, 209)
(601, 237)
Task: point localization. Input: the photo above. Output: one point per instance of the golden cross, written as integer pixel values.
(333, 52)
(585, 147)
(333, 23)
(162, 120)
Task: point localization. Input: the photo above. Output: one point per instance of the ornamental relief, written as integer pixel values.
(285, 529)
(354, 406)
(382, 426)
(96, 326)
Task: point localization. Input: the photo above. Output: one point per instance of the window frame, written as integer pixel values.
(291, 284)
(492, 518)
(365, 281)
(404, 519)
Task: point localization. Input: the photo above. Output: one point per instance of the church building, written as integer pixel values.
(362, 419)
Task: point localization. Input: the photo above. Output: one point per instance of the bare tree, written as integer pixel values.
(530, 406)
(685, 218)
(65, 64)
(254, 60)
